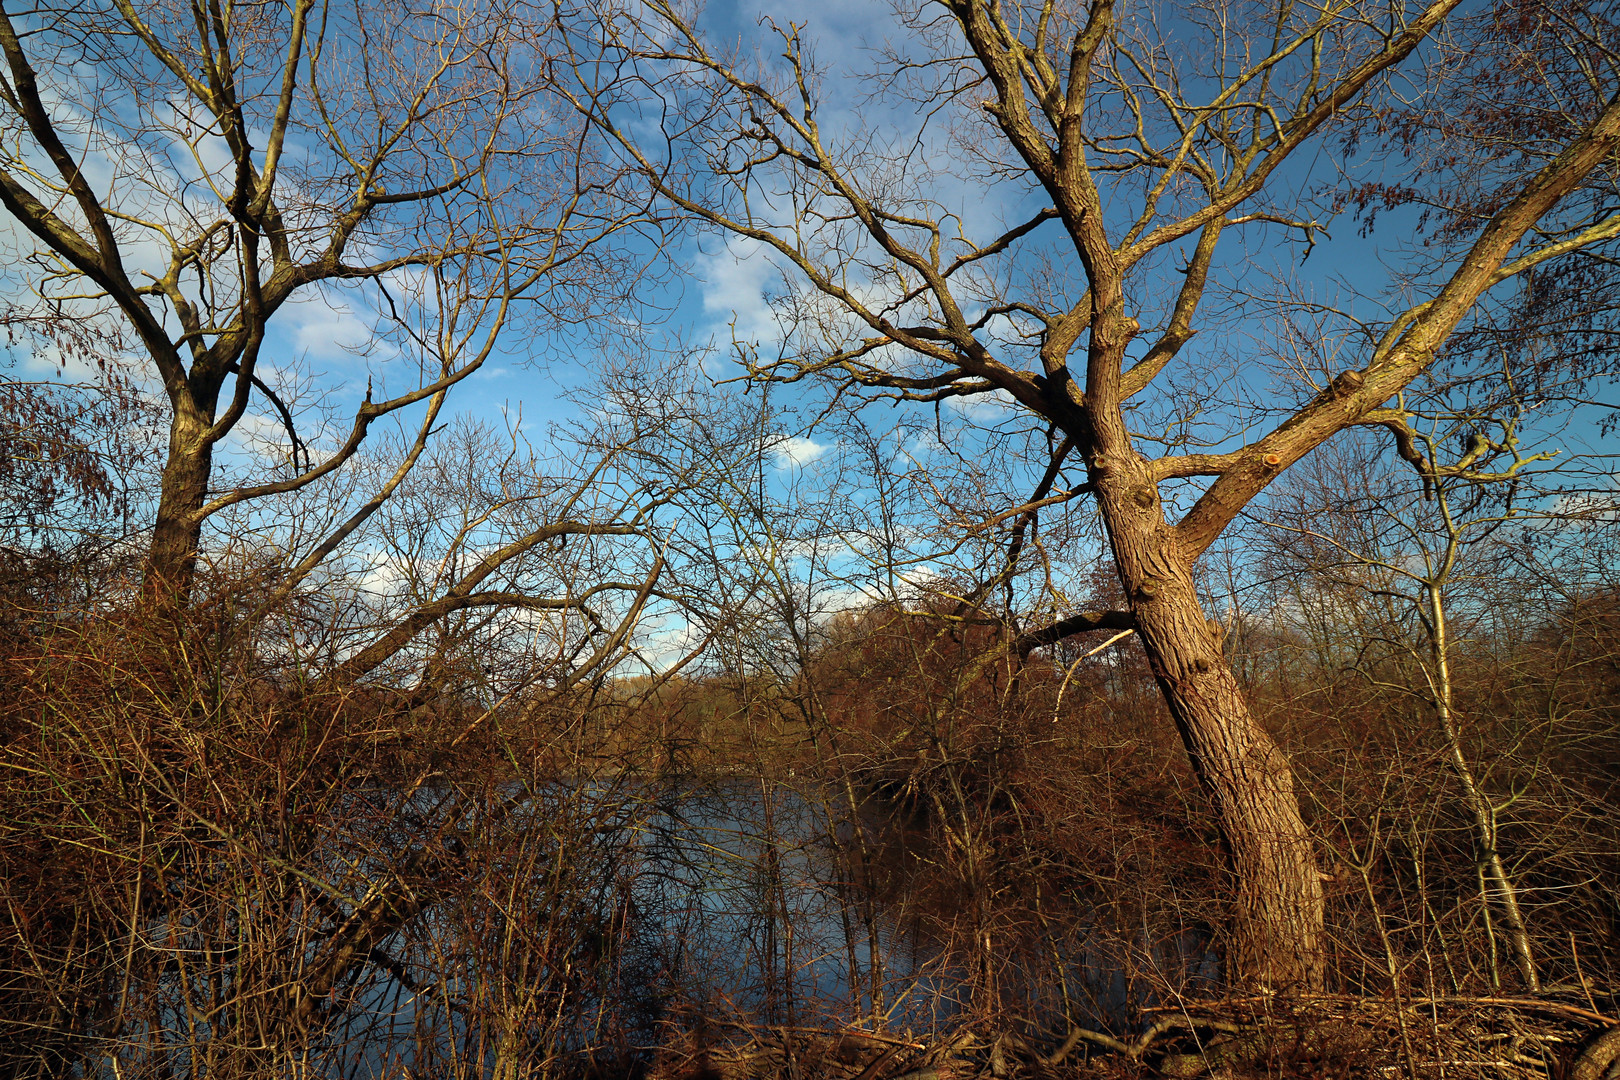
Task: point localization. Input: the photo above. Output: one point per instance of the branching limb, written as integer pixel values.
(458, 596)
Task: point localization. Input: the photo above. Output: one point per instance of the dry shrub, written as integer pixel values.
(212, 866)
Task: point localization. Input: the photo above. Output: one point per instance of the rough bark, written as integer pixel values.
(1277, 910)
(171, 561)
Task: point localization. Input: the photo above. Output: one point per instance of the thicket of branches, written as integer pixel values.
(1131, 706)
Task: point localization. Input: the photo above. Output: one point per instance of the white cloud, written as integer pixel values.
(319, 327)
(734, 284)
(797, 451)
(984, 408)
(383, 577)
(1584, 506)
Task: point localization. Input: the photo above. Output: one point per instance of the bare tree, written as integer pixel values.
(182, 172)
(1141, 149)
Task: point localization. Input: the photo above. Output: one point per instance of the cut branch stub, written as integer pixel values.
(1348, 382)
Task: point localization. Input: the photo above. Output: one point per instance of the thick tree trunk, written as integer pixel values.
(171, 561)
(1277, 916)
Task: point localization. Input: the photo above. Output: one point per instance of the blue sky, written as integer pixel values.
(719, 288)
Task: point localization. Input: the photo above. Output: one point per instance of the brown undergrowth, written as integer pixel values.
(1319, 1036)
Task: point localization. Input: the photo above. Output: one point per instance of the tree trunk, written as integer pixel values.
(171, 561)
(1479, 803)
(1277, 916)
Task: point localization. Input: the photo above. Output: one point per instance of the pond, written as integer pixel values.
(590, 922)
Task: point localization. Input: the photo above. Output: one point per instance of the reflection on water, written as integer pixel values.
(578, 921)
(734, 900)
